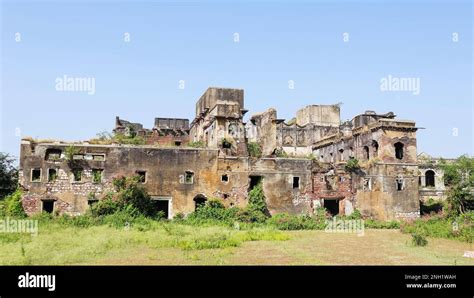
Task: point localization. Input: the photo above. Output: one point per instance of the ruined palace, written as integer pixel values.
(301, 163)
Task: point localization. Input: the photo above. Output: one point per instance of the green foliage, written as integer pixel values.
(130, 195)
(105, 206)
(418, 240)
(378, 224)
(459, 197)
(352, 165)
(250, 215)
(284, 221)
(96, 176)
(8, 175)
(459, 177)
(197, 144)
(69, 153)
(461, 170)
(13, 206)
(354, 215)
(213, 212)
(129, 140)
(459, 228)
(254, 149)
(257, 199)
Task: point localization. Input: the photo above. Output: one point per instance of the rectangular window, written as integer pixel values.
(142, 176)
(36, 175)
(189, 177)
(52, 175)
(296, 182)
(53, 154)
(77, 175)
(97, 175)
(98, 157)
(400, 184)
(78, 156)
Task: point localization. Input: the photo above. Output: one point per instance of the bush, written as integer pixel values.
(213, 212)
(257, 199)
(284, 221)
(418, 240)
(459, 228)
(105, 206)
(249, 215)
(377, 224)
(129, 194)
(254, 149)
(197, 144)
(352, 165)
(13, 206)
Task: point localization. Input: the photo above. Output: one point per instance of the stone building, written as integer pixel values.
(180, 177)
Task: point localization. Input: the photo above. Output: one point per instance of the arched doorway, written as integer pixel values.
(199, 201)
(430, 178)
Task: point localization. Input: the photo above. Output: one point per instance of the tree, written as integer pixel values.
(8, 175)
(459, 177)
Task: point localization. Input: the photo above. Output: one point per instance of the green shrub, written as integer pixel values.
(13, 206)
(459, 228)
(378, 224)
(254, 149)
(418, 240)
(213, 212)
(354, 215)
(105, 206)
(352, 165)
(197, 144)
(284, 221)
(250, 215)
(257, 199)
(129, 140)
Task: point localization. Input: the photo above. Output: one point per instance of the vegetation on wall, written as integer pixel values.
(197, 144)
(130, 197)
(352, 165)
(254, 149)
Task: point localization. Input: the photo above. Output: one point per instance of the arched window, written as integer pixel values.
(366, 152)
(398, 150)
(375, 147)
(341, 154)
(199, 201)
(430, 178)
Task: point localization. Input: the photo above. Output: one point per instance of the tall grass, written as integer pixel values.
(79, 240)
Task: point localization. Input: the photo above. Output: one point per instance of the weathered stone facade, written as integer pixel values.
(312, 174)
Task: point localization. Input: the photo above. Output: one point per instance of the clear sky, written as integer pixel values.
(333, 51)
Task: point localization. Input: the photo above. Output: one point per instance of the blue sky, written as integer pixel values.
(193, 41)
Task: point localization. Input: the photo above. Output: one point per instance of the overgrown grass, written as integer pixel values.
(73, 240)
(459, 228)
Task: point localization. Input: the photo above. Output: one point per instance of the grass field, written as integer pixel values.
(176, 244)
